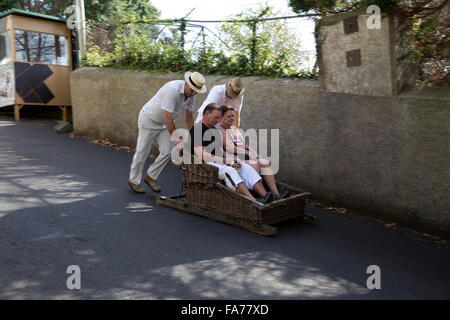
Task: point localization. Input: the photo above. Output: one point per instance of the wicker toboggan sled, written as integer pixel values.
(206, 195)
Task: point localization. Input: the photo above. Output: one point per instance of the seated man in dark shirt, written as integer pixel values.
(206, 144)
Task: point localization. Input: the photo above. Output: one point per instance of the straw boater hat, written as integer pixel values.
(195, 81)
(234, 87)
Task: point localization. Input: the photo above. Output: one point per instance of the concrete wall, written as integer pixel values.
(387, 156)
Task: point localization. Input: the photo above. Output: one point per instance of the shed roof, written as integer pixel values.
(31, 14)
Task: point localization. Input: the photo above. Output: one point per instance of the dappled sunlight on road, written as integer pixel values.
(16, 290)
(263, 274)
(143, 207)
(27, 183)
(22, 290)
(7, 123)
(258, 275)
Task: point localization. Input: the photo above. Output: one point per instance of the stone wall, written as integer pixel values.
(386, 156)
(354, 58)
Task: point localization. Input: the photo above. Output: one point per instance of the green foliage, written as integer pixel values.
(385, 5)
(317, 6)
(96, 10)
(51, 7)
(246, 49)
(263, 48)
(431, 49)
(327, 7)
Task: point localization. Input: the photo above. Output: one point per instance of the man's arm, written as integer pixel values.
(168, 104)
(200, 153)
(237, 118)
(170, 123)
(189, 119)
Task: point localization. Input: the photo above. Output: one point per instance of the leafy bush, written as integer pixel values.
(268, 49)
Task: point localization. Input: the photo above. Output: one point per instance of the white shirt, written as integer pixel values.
(170, 97)
(217, 94)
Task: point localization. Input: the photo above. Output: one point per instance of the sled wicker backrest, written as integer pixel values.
(200, 174)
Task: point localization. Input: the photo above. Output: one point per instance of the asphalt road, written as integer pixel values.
(65, 201)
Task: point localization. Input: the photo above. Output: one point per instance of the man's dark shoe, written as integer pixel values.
(266, 199)
(152, 184)
(283, 195)
(136, 187)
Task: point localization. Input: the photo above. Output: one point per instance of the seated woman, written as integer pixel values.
(233, 140)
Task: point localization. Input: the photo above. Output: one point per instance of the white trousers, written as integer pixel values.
(232, 178)
(148, 132)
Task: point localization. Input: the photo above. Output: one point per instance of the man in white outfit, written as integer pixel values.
(229, 94)
(156, 121)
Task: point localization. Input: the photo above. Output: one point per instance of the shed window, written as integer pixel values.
(41, 47)
(5, 48)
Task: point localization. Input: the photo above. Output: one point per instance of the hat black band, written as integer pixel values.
(192, 82)
(232, 90)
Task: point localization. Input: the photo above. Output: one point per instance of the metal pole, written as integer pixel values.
(183, 33)
(81, 27)
(204, 41)
(253, 47)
